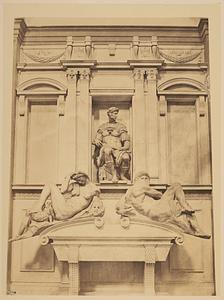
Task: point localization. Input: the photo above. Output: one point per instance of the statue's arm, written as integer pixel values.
(126, 145)
(153, 193)
(65, 183)
(98, 141)
(125, 139)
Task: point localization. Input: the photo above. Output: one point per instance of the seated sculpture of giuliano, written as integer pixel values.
(112, 149)
(170, 207)
(76, 194)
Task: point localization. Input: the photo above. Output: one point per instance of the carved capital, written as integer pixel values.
(72, 73)
(151, 73)
(84, 73)
(139, 74)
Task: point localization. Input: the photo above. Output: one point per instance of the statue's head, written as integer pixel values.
(112, 113)
(142, 177)
(81, 178)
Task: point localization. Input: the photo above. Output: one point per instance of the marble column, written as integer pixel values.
(139, 128)
(84, 122)
(67, 127)
(152, 124)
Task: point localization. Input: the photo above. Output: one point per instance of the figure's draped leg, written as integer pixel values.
(57, 199)
(43, 197)
(175, 192)
(179, 195)
(110, 163)
(125, 166)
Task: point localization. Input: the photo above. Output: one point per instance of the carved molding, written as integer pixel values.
(69, 48)
(61, 105)
(162, 105)
(26, 196)
(150, 254)
(43, 55)
(24, 88)
(135, 46)
(139, 73)
(112, 49)
(84, 73)
(19, 29)
(22, 105)
(167, 85)
(180, 55)
(76, 50)
(71, 74)
(88, 45)
(207, 80)
(151, 73)
(202, 105)
(145, 49)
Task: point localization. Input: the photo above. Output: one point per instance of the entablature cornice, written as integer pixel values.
(124, 187)
(113, 66)
(145, 63)
(78, 63)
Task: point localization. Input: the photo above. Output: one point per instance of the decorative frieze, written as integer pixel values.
(181, 55)
(43, 55)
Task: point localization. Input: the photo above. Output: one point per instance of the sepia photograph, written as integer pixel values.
(111, 150)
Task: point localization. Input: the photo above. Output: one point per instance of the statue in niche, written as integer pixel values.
(112, 149)
(77, 197)
(170, 207)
